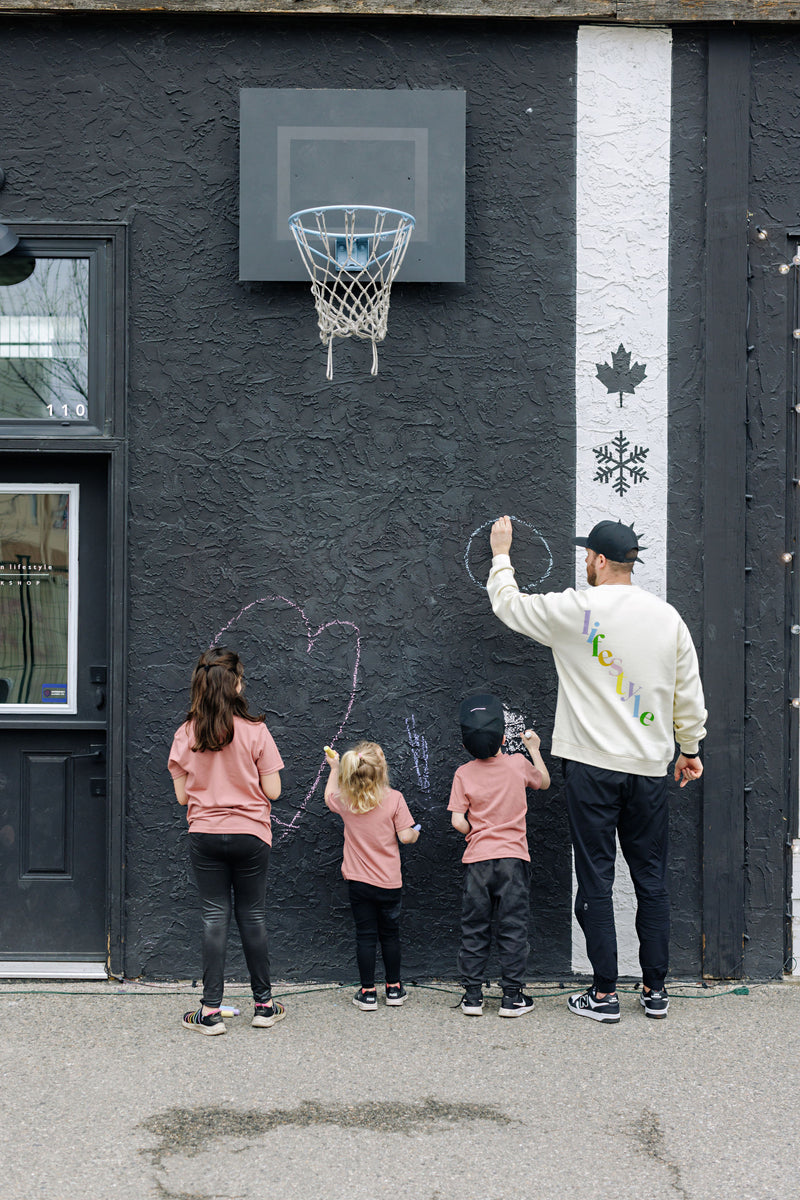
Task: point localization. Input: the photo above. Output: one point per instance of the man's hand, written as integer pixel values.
(501, 536)
(687, 769)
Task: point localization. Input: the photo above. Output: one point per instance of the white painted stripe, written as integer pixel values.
(622, 289)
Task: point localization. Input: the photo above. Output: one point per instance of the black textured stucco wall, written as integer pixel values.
(251, 476)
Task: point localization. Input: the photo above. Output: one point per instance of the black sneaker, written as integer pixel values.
(515, 1004)
(366, 1000)
(211, 1023)
(472, 1004)
(586, 1004)
(655, 1003)
(266, 1015)
(396, 995)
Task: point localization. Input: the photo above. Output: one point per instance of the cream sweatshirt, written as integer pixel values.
(628, 681)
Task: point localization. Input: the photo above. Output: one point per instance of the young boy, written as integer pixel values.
(489, 805)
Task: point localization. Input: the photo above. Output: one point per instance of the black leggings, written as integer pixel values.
(223, 862)
(376, 912)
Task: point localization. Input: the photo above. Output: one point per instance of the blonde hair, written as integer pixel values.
(363, 777)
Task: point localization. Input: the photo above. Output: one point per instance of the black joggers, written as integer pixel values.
(602, 804)
(496, 889)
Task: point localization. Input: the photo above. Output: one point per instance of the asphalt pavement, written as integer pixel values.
(106, 1096)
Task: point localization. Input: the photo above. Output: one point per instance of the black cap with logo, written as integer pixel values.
(483, 724)
(614, 541)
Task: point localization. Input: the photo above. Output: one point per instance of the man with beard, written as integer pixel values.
(628, 689)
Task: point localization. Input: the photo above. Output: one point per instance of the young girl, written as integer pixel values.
(375, 817)
(226, 769)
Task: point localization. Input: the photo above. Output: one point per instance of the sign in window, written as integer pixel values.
(38, 597)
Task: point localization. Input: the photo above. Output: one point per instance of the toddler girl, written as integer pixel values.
(375, 816)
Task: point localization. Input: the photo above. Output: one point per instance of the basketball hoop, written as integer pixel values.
(352, 253)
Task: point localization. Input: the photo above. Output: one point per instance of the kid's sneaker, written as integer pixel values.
(515, 1004)
(266, 1015)
(211, 1024)
(368, 1001)
(472, 1004)
(586, 1004)
(395, 995)
(655, 1003)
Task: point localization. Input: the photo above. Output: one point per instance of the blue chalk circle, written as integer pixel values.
(517, 521)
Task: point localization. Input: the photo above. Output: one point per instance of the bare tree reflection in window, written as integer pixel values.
(44, 342)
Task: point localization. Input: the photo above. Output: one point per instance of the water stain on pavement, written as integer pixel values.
(190, 1131)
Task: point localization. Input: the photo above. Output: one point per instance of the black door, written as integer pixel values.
(53, 656)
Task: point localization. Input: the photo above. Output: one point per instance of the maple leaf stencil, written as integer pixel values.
(618, 467)
(621, 377)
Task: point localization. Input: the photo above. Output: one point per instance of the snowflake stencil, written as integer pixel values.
(615, 465)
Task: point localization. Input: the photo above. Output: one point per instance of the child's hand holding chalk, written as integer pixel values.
(331, 755)
(532, 739)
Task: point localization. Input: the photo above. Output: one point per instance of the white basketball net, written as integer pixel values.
(352, 254)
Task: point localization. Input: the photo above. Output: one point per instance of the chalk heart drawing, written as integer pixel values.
(281, 649)
(516, 521)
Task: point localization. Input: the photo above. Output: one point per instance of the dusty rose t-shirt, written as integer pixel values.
(491, 792)
(222, 786)
(371, 853)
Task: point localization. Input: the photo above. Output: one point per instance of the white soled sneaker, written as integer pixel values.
(655, 1003)
(586, 1004)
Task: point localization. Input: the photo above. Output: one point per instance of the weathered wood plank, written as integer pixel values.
(633, 12)
(588, 10)
(667, 12)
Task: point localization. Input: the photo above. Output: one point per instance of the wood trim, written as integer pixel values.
(725, 447)
(625, 12)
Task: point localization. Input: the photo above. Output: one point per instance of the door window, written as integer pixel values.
(38, 597)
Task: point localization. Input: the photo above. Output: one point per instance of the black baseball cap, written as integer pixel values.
(483, 724)
(614, 541)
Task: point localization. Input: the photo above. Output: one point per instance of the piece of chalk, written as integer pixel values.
(330, 753)
(528, 733)
(229, 1012)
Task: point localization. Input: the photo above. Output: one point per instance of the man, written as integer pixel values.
(628, 688)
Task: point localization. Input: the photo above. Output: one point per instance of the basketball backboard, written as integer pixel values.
(396, 148)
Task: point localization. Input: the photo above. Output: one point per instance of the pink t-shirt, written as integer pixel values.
(371, 853)
(491, 792)
(222, 786)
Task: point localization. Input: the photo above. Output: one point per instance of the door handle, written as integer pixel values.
(97, 753)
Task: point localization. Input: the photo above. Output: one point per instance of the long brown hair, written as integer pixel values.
(216, 699)
(363, 777)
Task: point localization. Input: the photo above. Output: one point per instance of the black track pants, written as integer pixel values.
(602, 804)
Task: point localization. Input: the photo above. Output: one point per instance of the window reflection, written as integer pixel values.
(44, 342)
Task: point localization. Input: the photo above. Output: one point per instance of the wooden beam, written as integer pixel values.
(725, 445)
(624, 12)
